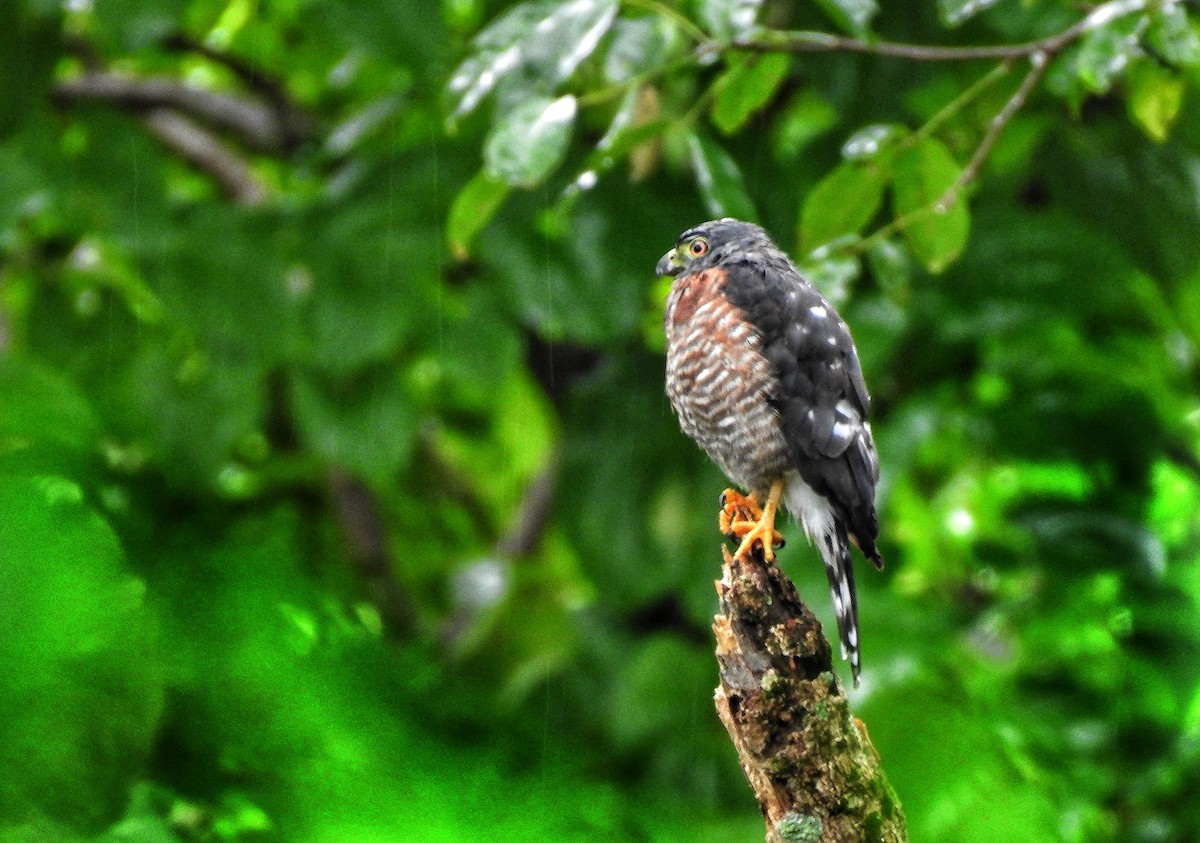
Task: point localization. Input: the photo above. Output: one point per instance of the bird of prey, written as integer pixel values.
(763, 374)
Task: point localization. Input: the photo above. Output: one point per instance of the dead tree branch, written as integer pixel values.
(810, 762)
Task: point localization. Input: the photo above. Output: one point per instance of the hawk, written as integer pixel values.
(763, 374)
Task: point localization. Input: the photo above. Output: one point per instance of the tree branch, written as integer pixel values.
(259, 126)
(1039, 62)
(205, 152)
(357, 512)
(822, 42)
(811, 764)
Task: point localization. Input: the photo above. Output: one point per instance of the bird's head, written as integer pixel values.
(713, 242)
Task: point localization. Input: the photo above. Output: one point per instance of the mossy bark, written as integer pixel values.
(810, 762)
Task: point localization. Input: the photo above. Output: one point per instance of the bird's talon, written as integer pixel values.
(742, 519)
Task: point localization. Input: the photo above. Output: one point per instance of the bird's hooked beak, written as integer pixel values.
(669, 264)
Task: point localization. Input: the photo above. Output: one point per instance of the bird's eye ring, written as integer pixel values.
(698, 248)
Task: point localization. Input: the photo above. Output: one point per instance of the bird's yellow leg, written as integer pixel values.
(763, 529)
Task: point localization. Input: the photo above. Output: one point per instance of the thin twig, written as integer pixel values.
(1038, 64)
(952, 108)
(823, 42)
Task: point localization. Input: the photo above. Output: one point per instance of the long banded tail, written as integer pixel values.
(835, 552)
(828, 532)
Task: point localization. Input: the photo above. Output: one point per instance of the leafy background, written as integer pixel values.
(339, 497)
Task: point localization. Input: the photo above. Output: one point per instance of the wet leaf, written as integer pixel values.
(1103, 56)
(636, 46)
(923, 174)
(546, 40)
(853, 16)
(634, 132)
(729, 20)
(720, 181)
(745, 88)
(528, 143)
(1172, 37)
(955, 12)
(473, 208)
(871, 140)
(841, 203)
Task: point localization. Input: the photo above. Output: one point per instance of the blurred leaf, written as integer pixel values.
(546, 39)
(530, 141)
(577, 288)
(841, 203)
(366, 425)
(82, 692)
(745, 88)
(806, 117)
(358, 288)
(29, 45)
(472, 210)
(728, 20)
(892, 269)
(870, 141)
(186, 412)
(654, 688)
(1103, 55)
(1172, 36)
(134, 24)
(719, 179)
(923, 174)
(197, 288)
(637, 45)
(832, 276)
(1155, 97)
(852, 16)
(955, 12)
(43, 412)
(634, 135)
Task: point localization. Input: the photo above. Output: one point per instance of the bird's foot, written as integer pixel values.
(742, 518)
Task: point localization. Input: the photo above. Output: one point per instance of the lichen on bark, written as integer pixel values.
(809, 761)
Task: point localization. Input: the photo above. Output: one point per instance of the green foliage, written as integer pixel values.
(924, 173)
(356, 512)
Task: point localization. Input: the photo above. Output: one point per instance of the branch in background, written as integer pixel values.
(811, 764)
(203, 150)
(267, 86)
(524, 535)
(297, 124)
(358, 514)
(257, 125)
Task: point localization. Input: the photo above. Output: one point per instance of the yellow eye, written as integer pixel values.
(698, 248)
